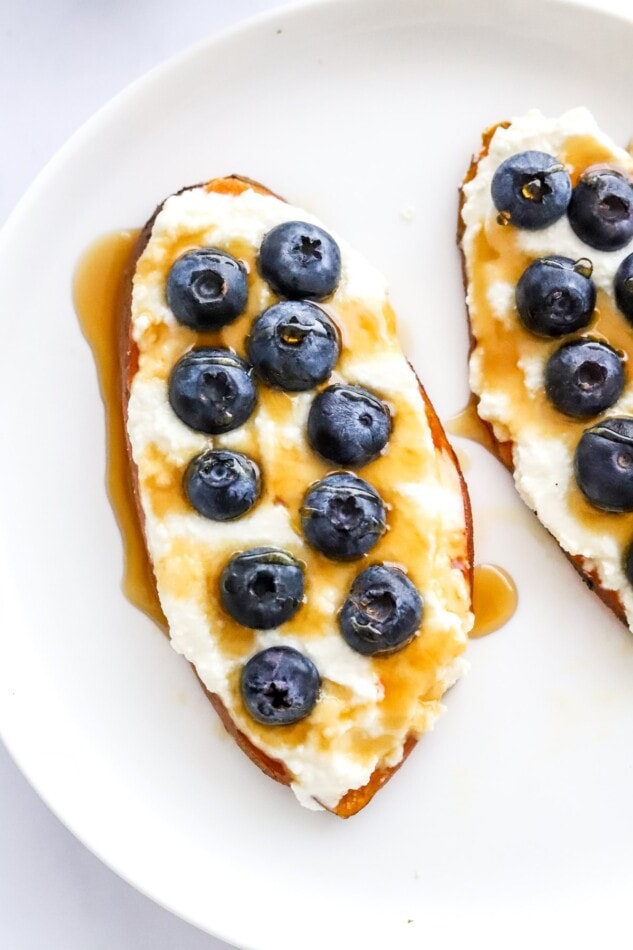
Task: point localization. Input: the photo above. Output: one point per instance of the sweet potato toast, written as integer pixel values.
(370, 709)
(536, 417)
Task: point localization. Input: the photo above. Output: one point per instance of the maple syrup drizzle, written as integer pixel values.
(98, 294)
(495, 599)
(468, 425)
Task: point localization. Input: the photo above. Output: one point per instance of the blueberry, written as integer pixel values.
(554, 296)
(211, 390)
(343, 516)
(293, 345)
(601, 209)
(222, 485)
(604, 464)
(623, 285)
(206, 289)
(300, 260)
(280, 686)
(584, 377)
(382, 612)
(531, 190)
(348, 426)
(262, 588)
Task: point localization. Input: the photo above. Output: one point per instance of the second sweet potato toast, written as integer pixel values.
(546, 231)
(305, 517)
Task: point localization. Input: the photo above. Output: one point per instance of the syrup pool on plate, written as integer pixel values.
(495, 599)
(99, 297)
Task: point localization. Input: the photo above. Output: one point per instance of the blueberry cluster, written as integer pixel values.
(556, 296)
(533, 190)
(292, 346)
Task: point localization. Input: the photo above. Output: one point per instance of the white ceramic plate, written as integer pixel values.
(513, 818)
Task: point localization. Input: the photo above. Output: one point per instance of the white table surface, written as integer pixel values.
(60, 60)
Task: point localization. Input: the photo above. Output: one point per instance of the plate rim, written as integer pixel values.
(24, 758)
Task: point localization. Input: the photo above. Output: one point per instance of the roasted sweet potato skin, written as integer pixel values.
(355, 799)
(504, 450)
